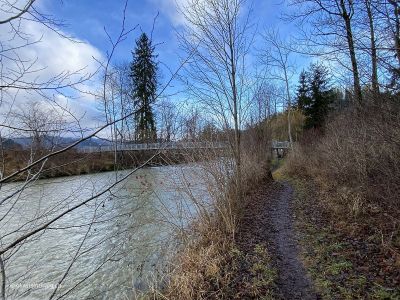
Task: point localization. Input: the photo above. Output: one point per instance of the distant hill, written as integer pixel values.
(9, 144)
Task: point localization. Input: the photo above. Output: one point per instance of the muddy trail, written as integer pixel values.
(268, 220)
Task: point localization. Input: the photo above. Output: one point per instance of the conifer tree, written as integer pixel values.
(144, 88)
(303, 98)
(315, 95)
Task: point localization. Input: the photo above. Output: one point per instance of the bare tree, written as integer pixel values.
(45, 127)
(51, 217)
(19, 75)
(265, 100)
(191, 124)
(22, 74)
(217, 35)
(168, 118)
(118, 102)
(392, 10)
(388, 14)
(279, 68)
(330, 31)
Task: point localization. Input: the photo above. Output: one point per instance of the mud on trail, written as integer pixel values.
(268, 220)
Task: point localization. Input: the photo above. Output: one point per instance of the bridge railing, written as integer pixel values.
(154, 146)
(280, 144)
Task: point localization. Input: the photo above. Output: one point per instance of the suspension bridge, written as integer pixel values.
(276, 145)
(153, 146)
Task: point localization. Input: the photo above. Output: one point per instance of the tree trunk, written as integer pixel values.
(350, 41)
(289, 109)
(374, 56)
(235, 117)
(396, 30)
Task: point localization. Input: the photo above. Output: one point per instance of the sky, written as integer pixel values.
(87, 22)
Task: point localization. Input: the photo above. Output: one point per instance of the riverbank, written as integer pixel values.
(287, 245)
(220, 259)
(71, 163)
(262, 261)
(217, 265)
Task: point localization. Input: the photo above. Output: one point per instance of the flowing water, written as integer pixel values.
(109, 248)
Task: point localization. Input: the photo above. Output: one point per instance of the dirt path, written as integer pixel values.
(269, 219)
(293, 281)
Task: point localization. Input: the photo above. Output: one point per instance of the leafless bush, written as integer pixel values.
(357, 160)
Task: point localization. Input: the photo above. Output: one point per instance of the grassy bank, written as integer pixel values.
(218, 261)
(219, 264)
(345, 260)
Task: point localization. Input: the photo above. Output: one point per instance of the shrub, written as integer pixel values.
(356, 162)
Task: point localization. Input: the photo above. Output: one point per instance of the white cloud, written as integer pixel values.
(171, 9)
(58, 54)
(53, 55)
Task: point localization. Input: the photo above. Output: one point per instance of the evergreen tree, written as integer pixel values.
(144, 88)
(315, 96)
(303, 98)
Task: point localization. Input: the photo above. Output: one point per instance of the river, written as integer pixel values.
(113, 247)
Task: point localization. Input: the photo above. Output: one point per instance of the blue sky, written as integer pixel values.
(86, 21)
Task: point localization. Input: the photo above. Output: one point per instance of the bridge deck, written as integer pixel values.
(154, 146)
(169, 145)
(280, 145)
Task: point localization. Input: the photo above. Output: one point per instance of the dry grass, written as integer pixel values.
(204, 268)
(357, 160)
(209, 265)
(342, 265)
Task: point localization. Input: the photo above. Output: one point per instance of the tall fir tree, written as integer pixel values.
(303, 98)
(144, 88)
(315, 95)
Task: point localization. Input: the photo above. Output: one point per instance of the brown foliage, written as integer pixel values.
(278, 126)
(358, 156)
(356, 165)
